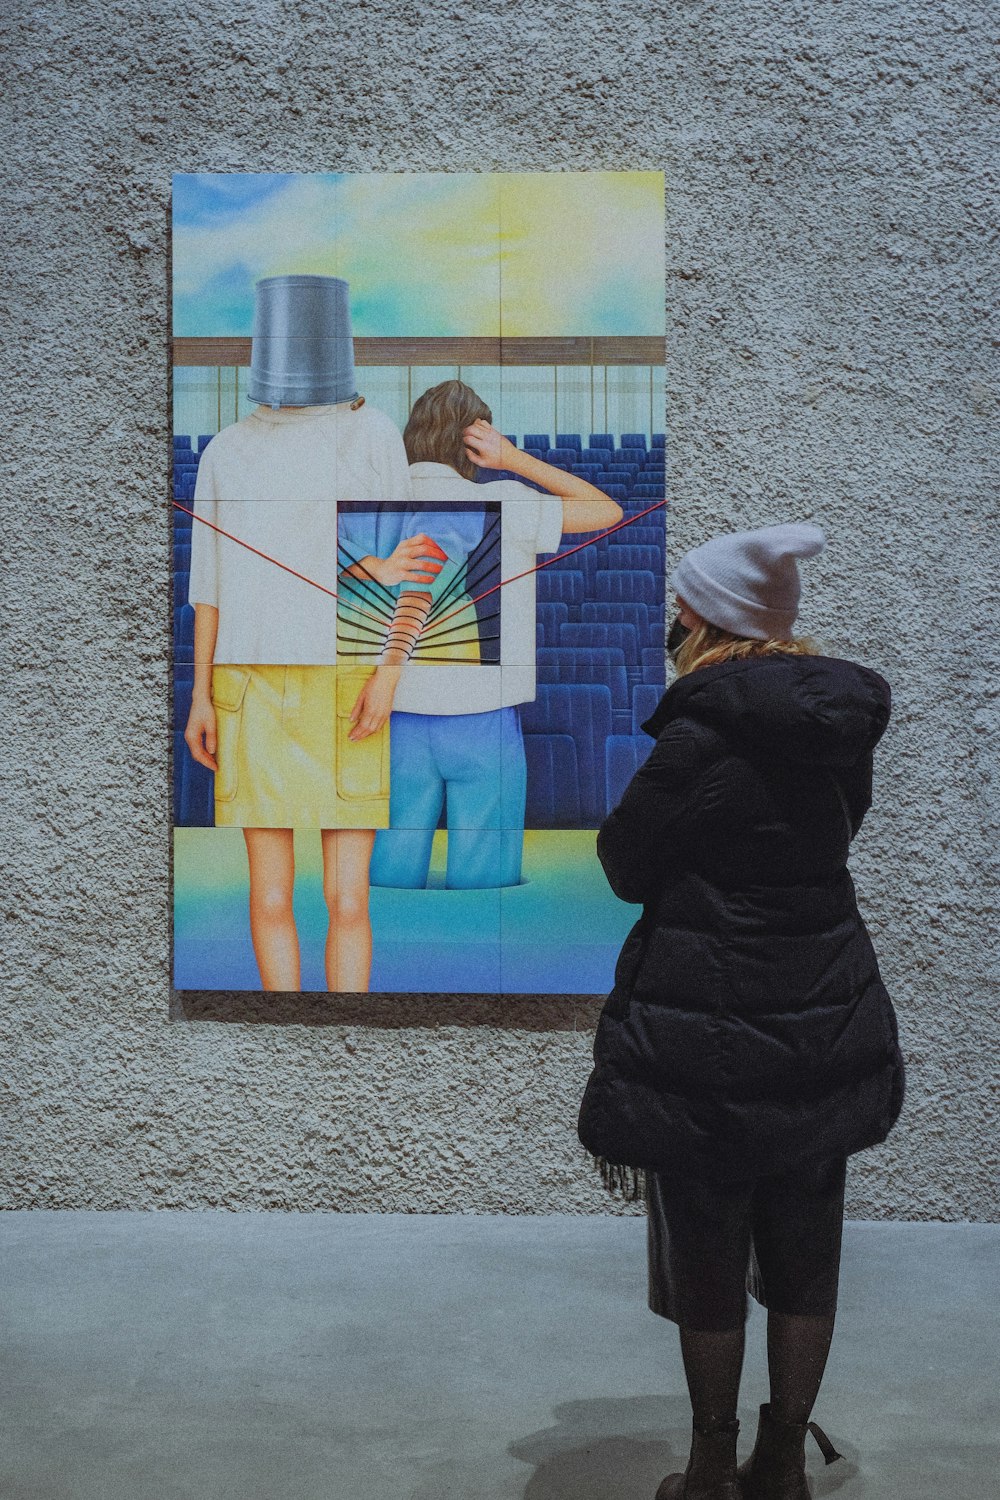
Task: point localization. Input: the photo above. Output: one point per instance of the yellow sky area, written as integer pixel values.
(581, 252)
(434, 254)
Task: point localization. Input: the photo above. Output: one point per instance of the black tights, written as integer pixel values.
(797, 1348)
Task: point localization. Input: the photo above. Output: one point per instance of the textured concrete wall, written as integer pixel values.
(827, 259)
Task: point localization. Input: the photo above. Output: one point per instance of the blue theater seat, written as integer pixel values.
(601, 440)
(596, 457)
(634, 440)
(591, 665)
(632, 613)
(626, 753)
(629, 554)
(561, 458)
(586, 664)
(584, 712)
(183, 687)
(593, 633)
(645, 697)
(659, 440)
(643, 534)
(560, 585)
(654, 668)
(197, 792)
(204, 439)
(657, 635)
(184, 633)
(553, 782)
(568, 440)
(182, 557)
(181, 441)
(613, 587)
(537, 440)
(551, 617)
(614, 491)
(179, 752)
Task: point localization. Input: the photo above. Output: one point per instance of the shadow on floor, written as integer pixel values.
(614, 1449)
(611, 1449)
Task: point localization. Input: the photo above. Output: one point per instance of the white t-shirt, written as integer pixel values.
(530, 523)
(273, 480)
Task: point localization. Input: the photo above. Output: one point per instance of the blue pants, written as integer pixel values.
(477, 762)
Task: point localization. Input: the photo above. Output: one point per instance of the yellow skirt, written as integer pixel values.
(285, 759)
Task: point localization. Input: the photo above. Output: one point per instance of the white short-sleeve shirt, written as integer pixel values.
(273, 480)
(530, 523)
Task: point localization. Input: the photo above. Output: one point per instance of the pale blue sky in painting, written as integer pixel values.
(426, 253)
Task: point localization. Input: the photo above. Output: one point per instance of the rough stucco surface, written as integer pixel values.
(827, 266)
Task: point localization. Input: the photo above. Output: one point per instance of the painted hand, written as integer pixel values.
(418, 559)
(373, 704)
(487, 447)
(200, 733)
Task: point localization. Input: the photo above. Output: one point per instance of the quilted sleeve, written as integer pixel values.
(642, 838)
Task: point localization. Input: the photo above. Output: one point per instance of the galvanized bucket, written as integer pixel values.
(303, 350)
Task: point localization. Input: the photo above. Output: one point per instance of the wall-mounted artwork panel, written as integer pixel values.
(418, 563)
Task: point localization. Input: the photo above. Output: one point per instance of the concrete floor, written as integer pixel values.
(154, 1356)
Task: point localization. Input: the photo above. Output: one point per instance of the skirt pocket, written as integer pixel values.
(362, 765)
(229, 686)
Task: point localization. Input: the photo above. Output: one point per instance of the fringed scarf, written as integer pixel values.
(630, 1182)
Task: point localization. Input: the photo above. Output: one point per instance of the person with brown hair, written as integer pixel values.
(456, 733)
(749, 1045)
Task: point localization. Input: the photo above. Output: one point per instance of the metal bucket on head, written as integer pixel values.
(303, 350)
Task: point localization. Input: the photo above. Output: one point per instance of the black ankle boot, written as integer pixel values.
(776, 1469)
(711, 1470)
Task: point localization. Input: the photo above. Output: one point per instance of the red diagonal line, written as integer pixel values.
(268, 558)
(630, 520)
(597, 537)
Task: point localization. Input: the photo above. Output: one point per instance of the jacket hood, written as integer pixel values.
(818, 709)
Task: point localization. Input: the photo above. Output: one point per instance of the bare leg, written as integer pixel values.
(271, 856)
(347, 856)
(797, 1348)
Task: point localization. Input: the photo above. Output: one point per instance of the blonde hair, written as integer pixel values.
(434, 432)
(708, 645)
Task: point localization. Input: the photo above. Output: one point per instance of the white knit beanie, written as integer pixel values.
(747, 582)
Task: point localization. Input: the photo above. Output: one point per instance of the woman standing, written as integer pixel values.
(748, 1046)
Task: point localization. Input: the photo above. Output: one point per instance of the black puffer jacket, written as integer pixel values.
(748, 1029)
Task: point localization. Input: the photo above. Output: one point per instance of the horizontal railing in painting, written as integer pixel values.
(638, 349)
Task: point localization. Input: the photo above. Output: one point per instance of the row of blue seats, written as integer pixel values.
(554, 786)
(572, 581)
(566, 585)
(630, 703)
(554, 628)
(603, 440)
(600, 459)
(579, 760)
(183, 443)
(553, 800)
(623, 485)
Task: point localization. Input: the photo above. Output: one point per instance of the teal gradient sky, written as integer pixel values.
(428, 254)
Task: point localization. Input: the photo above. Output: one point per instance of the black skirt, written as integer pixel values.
(777, 1237)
